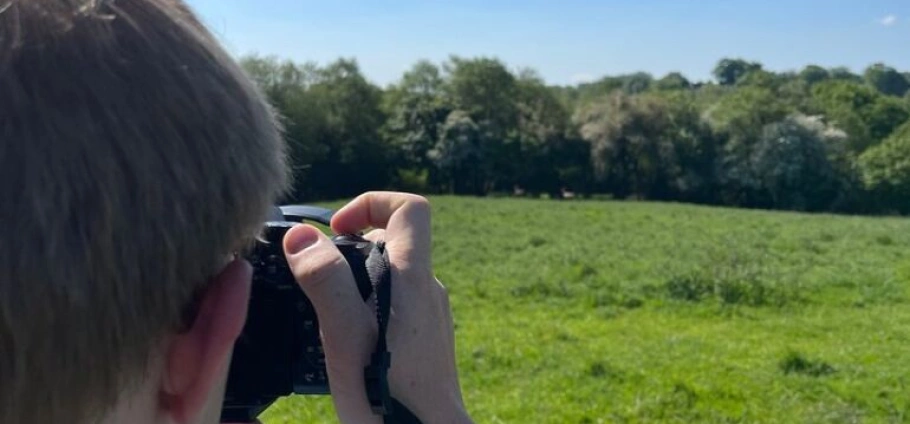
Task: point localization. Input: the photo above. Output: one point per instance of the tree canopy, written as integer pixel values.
(813, 139)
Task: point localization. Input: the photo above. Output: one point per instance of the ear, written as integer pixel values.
(197, 358)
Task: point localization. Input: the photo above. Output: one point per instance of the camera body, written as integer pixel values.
(279, 351)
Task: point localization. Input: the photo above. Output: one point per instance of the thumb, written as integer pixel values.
(325, 277)
(347, 326)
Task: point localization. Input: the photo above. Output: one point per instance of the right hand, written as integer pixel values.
(421, 340)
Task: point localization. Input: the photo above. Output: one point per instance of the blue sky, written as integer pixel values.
(571, 40)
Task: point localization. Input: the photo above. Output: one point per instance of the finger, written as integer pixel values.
(405, 217)
(375, 235)
(382, 209)
(326, 279)
(323, 274)
(346, 322)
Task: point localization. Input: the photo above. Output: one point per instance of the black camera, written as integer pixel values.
(279, 352)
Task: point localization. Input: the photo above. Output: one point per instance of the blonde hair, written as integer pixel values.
(135, 155)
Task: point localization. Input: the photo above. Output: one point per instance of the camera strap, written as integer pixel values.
(376, 374)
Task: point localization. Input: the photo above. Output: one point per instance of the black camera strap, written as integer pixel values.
(376, 374)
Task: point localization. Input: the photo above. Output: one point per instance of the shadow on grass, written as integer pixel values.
(797, 363)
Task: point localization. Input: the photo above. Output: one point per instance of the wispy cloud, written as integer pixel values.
(889, 20)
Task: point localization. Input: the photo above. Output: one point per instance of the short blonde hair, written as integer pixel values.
(135, 155)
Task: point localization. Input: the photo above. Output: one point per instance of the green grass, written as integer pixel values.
(595, 312)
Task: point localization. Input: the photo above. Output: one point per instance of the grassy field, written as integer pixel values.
(596, 312)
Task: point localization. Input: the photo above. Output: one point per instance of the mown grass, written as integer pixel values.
(598, 311)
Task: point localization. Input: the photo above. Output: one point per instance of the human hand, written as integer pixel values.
(421, 340)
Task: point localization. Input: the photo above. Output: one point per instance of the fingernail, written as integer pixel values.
(300, 238)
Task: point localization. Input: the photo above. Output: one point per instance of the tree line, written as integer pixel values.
(816, 139)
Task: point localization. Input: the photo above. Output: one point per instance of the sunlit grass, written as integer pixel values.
(589, 312)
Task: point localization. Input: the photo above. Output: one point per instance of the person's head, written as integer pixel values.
(136, 158)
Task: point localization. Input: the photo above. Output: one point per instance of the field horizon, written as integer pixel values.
(596, 311)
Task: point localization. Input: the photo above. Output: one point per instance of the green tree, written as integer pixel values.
(816, 139)
(417, 107)
(694, 169)
(286, 85)
(542, 130)
(486, 90)
(332, 119)
(637, 143)
(814, 74)
(742, 114)
(886, 171)
(728, 71)
(638, 82)
(458, 154)
(738, 120)
(843, 73)
(760, 78)
(612, 126)
(885, 115)
(356, 159)
(842, 103)
(593, 91)
(866, 115)
(673, 81)
(790, 164)
(886, 79)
